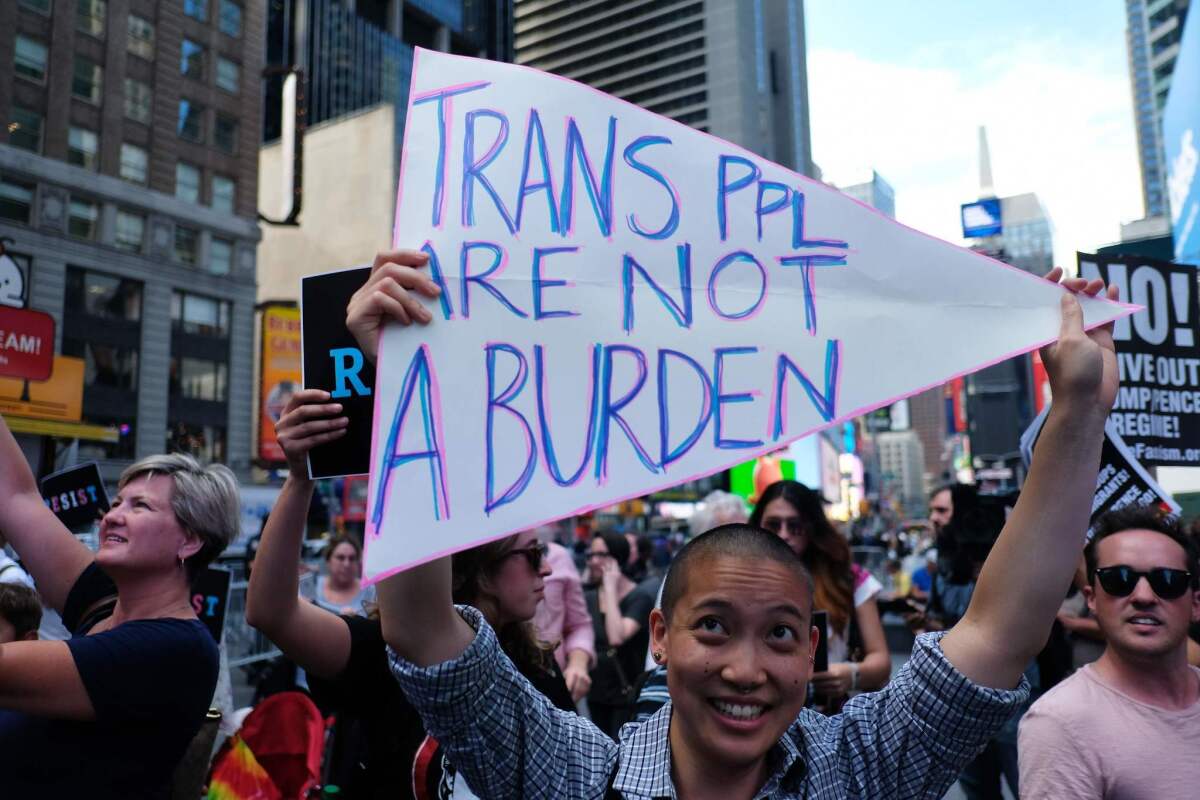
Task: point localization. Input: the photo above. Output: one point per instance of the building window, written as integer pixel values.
(187, 245)
(228, 75)
(205, 442)
(29, 58)
(138, 101)
(196, 314)
(191, 62)
(225, 133)
(82, 148)
(141, 37)
(223, 191)
(134, 163)
(220, 256)
(187, 182)
(96, 294)
(196, 9)
(231, 18)
(83, 218)
(41, 6)
(199, 379)
(16, 200)
(89, 16)
(105, 364)
(88, 81)
(25, 129)
(131, 231)
(191, 122)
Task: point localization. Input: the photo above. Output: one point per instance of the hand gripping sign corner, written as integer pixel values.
(629, 303)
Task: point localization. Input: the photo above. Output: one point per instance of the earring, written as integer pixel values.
(180, 561)
(657, 655)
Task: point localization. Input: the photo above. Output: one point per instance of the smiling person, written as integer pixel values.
(858, 652)
(343, 652)
(1127, 725)
(735, 631)
(110, 712)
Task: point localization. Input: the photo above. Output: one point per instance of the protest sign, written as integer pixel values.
(628, 303)
(210, 599)
(75, 495)
(1158, 407)
(333, 362)
(1121, 482)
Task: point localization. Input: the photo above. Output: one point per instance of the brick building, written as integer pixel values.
(128, 189)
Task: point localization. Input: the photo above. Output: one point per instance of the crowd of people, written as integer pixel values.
(539, 666)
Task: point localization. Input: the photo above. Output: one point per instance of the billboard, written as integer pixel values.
(981, 218)
(1181, 143)
(59, 398)
(279, 374)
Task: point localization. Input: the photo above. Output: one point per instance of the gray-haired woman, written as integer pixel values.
(110, 712)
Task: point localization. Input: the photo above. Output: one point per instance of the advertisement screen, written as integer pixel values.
(981, 218)
(1181, 142)
(280, 373)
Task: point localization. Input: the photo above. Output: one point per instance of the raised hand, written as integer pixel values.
(387, 296)
(1082, 365)
(307, 421)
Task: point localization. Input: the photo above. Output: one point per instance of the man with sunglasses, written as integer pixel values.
(1127, 725)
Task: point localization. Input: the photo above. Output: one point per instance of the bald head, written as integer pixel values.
(737, 540)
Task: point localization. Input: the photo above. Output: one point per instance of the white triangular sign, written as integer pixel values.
(630, 303)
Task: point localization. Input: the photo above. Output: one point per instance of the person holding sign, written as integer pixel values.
(110, 713)
(343, 654)
(735, 632)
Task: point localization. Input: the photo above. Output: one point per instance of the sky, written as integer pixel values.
(902, 86)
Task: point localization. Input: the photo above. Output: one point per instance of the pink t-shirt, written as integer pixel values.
(1085, 739)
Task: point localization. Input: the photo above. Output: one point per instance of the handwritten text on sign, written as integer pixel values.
(627, 303)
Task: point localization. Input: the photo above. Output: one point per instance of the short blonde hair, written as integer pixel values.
(204, 499)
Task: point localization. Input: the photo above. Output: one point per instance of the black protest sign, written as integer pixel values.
(332, 361)
(820, 620)
(1121, 482)
(76, 495)
(210, 599)
(1158, 407)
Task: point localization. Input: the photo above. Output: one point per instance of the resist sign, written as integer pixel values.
(1158, 407)
(628, 303)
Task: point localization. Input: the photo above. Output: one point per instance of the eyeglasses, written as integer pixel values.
(534, 554)
(599, 554)
(1167, 583)
(794, 525)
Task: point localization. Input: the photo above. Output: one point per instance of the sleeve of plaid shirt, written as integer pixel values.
(913, 737)
(501, 733)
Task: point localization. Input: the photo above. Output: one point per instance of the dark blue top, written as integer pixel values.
(922, 579)
(150, 682)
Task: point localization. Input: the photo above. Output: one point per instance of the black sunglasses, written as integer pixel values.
(534, 554)
(1167, 583)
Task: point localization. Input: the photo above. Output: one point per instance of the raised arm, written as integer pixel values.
(51, 554)
(1026, 576)
(316, 639)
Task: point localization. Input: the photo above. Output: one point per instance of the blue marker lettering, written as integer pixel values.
(681, 311)
(540, 284)
(725, 188)
(491, 502)
(825, 403)
(444, 114)
(550, 458)
(732, 258)
(611, 410)
(721, 399)
(668, 454)
(473, 169)
(672, 222)
(601, 197)
(499, 261)
(532, 130)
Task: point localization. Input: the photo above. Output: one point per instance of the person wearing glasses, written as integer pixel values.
(858, 651)
(381, 748)
(1128, 724)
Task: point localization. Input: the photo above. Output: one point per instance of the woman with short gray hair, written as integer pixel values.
(110, 712)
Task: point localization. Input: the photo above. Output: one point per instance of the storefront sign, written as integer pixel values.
(280, 373)
(59, 398)
(26, 343)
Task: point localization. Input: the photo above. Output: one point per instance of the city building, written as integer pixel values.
(356, 59)
(128, 191)
(877, 193)
(1152, 36)
(902, 461)
(734, 69)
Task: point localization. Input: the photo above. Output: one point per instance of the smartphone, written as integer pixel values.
(821, 657)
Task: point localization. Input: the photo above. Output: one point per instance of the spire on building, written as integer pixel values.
(986, 189)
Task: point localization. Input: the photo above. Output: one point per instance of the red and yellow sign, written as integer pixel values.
(280, 374)
(26, 344)
(60, 398)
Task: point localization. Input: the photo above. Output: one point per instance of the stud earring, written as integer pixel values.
(658, 656)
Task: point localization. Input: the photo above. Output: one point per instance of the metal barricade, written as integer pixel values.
(244, 644)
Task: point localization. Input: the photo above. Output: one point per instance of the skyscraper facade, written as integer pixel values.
(128, 191)
(736, 70)
(1152, 33)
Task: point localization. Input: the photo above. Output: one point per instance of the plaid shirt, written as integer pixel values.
(908, 740)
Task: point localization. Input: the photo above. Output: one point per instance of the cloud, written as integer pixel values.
(1059, 121)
